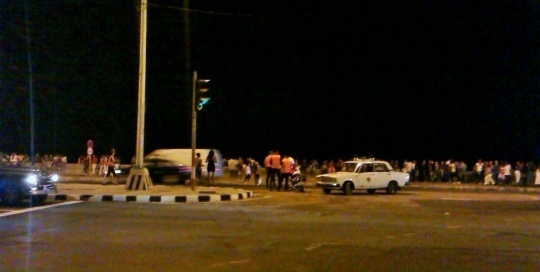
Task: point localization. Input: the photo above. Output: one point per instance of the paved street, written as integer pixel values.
(414, 230)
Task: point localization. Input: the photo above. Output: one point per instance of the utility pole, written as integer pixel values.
(139, 177)
(193, 129)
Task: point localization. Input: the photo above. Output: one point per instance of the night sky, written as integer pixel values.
(314, 79)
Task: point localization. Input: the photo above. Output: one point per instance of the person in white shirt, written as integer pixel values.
(479, 169)
(507, 171)
(247, 170)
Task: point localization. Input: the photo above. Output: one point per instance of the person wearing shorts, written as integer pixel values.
(110, 168)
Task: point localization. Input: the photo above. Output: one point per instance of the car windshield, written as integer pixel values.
(349, 167)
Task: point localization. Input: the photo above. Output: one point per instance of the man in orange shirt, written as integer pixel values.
(275, 162)
(285, 172)
(268, 167)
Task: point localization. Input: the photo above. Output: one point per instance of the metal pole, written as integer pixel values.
(142, 92)
(138, 177)
(30, 80)
(193, 129)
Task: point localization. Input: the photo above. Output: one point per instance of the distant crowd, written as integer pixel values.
(47, 161)
(485, 172)
(491, 172)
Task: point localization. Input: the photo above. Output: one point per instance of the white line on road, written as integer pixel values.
(38, 208)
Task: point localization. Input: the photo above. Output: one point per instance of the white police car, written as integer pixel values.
(364, 174)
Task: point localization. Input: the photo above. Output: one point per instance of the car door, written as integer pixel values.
(364, 177)
(381, 175)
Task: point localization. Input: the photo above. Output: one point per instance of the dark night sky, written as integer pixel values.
(314, 79)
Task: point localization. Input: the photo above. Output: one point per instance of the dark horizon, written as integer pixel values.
(317, 80)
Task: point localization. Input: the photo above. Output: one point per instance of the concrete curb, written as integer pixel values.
(151, 198)
(477, 188)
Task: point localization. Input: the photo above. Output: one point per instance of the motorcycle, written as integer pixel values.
(296, 181)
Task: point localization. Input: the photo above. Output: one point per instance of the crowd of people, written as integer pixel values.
(280, 167)
(48, 162)
(491, 172)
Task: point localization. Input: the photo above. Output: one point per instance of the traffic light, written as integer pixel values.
(202, 89)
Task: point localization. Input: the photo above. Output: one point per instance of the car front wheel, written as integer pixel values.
(38, 200)
(326, 190)
(348, 188)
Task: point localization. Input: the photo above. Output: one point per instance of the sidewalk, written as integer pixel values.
(89, 188)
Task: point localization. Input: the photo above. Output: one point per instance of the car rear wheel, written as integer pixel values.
(348, 188)
(392, 188)
(371, 191)
(326, 190)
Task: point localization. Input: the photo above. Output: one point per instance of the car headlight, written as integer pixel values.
(31, 179)
(54, 177)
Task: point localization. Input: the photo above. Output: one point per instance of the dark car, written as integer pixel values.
(18, 184)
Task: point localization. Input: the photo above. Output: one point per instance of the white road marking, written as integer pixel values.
(459, 199)
(38, 208)
(245, 261)
(318, 245)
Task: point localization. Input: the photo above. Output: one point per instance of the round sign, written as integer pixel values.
(90, 151)
(90, 143)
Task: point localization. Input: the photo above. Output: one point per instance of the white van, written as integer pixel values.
(174, 165)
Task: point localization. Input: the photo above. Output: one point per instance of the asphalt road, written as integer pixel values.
(285, 231)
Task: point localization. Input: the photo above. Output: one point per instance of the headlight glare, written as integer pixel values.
(54, 177)
(32, 179)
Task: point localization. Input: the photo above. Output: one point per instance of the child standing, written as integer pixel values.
(247, 169)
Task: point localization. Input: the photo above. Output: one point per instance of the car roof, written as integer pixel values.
(364, 160)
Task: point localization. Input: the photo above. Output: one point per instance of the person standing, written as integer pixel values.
(198, 166)
(233, 169)
(285, 173)
(488, 177)
(479, 170)
(453, 171)
(537, 176)
(255, 171)
(94, 163)
(268, 167)
(211, 166)
(247, 170)
(507, 173)
(110, 168)
(275, 162)
(103, 165)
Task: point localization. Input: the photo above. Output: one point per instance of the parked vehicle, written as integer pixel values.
(18, 184)
(364, 174)
(174, 165)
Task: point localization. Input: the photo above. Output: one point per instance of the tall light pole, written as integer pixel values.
(139, 178)
(193, 129)
(198, 99)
